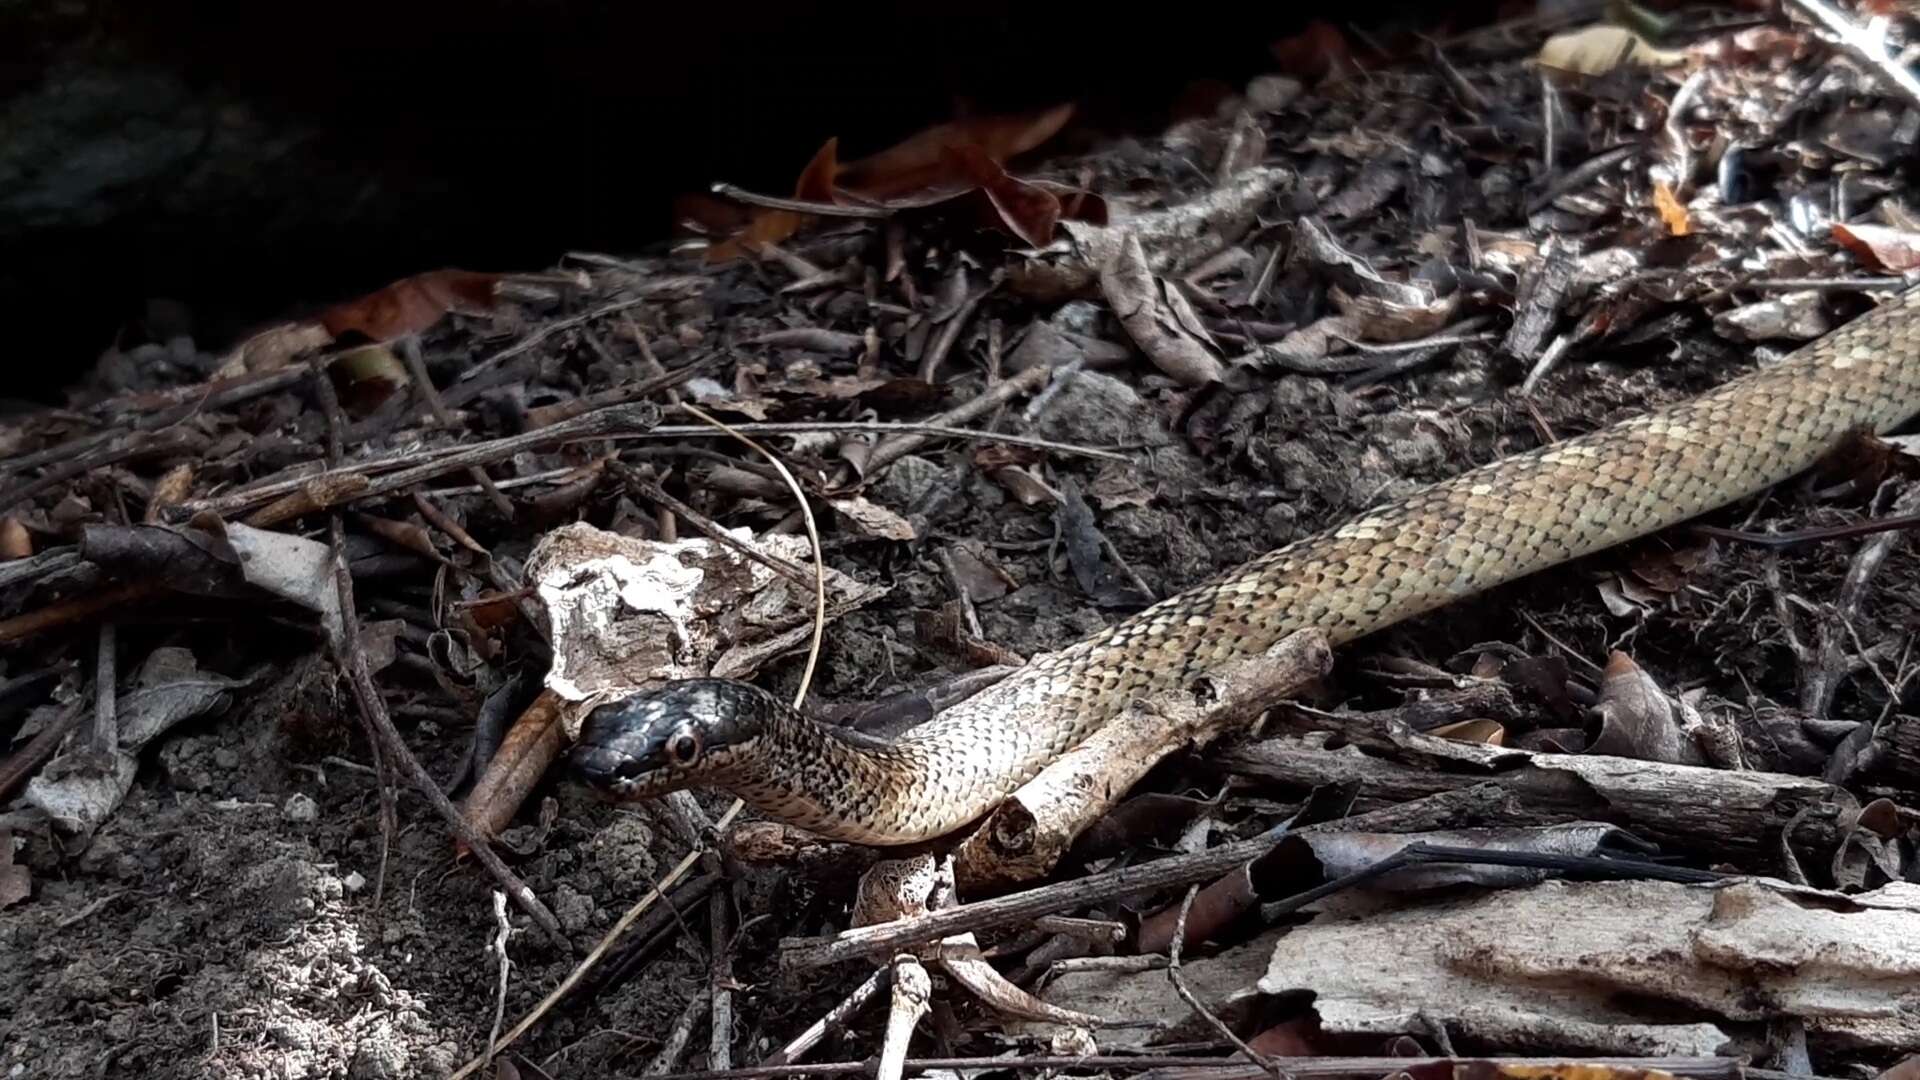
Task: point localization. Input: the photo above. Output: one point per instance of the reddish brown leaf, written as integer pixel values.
(816, 181)
(412, 304)
(1879, 246)
(918, 163)
(1313, 53)
(1028, 212)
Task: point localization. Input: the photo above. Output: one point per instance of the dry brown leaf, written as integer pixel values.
(1880, 246)
(274, 348)
(919, 164)
(1158, 318)
(1313, 53)
(870, 519)
(412, 304)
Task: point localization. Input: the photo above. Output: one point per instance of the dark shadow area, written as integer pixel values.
(242, 159)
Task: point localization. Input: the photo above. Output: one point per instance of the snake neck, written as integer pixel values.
(821, 777)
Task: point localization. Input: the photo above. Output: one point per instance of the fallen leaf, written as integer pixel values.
(1672, 213)
(1597, 50)
(1028, 211)
(412, 304)
(919, 164)
(871, 520)
(1880, 246)
(1637, 718)
(367, 376)
(1158, 318)
(1313, 53)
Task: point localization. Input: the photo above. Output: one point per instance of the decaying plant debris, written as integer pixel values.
(293, 631)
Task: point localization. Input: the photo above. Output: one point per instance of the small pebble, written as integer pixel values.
(300, 809)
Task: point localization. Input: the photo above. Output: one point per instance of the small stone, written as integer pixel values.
(300, 809)
(226, 758)
(353, 882)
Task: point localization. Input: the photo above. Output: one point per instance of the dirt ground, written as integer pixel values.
(222, 922)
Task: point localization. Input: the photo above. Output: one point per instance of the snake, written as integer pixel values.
(1482, 528)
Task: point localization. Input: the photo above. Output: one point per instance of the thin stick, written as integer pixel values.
(106, 722)
(373, 708)
(1869, 48)
(800, 206)
(1193, 1002)
(631, 477)
(63, 612)
(835, 1019)
(1708, 1068)
(908, 438)
(802, 953)
(417, 367)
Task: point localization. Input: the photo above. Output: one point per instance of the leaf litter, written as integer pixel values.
(1494, 831)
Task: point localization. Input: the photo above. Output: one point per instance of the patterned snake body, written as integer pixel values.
(1481, 529)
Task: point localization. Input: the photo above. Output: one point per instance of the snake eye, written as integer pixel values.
(684, 748)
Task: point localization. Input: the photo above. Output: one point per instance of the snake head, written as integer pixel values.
(667, 737)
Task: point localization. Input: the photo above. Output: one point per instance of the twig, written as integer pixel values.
(1324, 1068)
(647, 292)
(132, 446)
(614, 421)
(214, 395)
(373, 708)
(1867, 47)
(417, 367)
(912, 997)
(106, 723)
(1186, 994)
(835, 1020)
(1584, 173)
(64, 612)
(1830, 666)
(720, 979)
(631, 477)
(677, 1039)
(910, 437)
(505, 930)
(383, 780)
(26, 760)
(803, 953)
(801, 206)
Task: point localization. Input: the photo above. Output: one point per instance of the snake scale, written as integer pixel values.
(1485, 527)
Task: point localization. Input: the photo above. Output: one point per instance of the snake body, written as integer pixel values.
(1485, 527)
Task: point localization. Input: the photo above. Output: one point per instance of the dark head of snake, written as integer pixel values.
(669, 737)
(734, 735)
